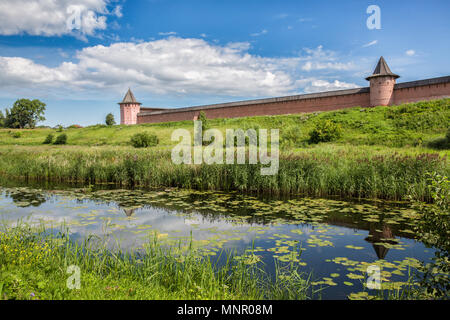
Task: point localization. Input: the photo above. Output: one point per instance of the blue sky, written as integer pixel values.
(182, 53)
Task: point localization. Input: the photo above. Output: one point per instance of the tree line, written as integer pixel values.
(27, 113)
(24, 113)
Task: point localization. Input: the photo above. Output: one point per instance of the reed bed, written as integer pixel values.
(363, 172)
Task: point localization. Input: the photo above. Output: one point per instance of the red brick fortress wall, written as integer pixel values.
(276, 106)
(436, 88)
(430, 89)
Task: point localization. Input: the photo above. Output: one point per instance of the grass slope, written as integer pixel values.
(394, 126)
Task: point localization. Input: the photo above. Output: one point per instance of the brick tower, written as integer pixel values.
(129, 108)
(382, 83)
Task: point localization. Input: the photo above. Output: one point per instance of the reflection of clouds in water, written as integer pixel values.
(133, 226)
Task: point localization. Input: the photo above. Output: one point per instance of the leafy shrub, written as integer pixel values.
(48, 139)
(61, 139)
(441, 143)
(204, 120)
(17, 135)
(144, 140)
(110, 121)
(60, 128)
(432, 229)
(325, 131)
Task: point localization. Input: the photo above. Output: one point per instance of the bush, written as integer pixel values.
(110, 119)
(144, 140)
(325, 131)
(61, 139)
(204, 120)
(432, 229)
(49, 139)
(60, 128)
(441, 143)
(17, 135)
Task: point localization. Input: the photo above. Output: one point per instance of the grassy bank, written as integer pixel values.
(33, 265)
(405, 125)
(383, 152)
(327, 170)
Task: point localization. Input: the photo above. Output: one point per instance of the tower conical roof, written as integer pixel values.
(382, 69)
(129, 98)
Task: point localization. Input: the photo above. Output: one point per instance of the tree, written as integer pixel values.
(2, 119)
(25, 113)
(110, 119)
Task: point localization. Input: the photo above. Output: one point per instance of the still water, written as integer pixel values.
(333, 240)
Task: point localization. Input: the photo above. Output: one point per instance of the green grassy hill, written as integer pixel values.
(408, 125)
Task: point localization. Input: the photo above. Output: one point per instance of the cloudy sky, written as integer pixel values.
(80, 56)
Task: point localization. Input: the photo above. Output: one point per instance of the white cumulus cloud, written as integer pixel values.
(54, 18)
(176, 66)
(317, 85)
(320, 59)
(166, 66)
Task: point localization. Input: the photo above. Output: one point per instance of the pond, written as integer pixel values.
(331, 239)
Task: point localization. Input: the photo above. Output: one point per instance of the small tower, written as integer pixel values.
(129, 108)
(382, 83)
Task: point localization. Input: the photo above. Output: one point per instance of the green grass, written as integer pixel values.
(34, 264)
(384, 152)
(326, 170)
(406, 125)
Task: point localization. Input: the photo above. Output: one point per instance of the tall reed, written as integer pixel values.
(326, 171)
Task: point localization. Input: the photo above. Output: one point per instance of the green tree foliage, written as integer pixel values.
(110, 119)
(204, 120)
(144, 140)
(61, 139)
(2, 119)
(25, 114)
(325, 131)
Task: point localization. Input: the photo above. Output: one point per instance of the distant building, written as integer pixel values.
(383, 91)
